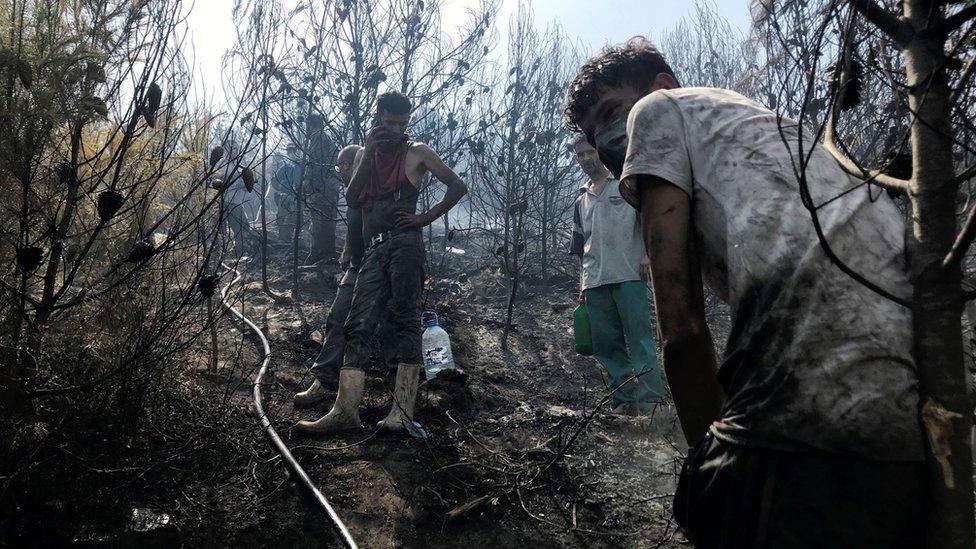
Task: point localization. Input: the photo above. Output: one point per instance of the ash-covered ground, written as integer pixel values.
(514, 454)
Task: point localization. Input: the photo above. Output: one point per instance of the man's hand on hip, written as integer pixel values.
(406, 221)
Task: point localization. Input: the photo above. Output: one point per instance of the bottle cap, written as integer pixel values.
(429, 318)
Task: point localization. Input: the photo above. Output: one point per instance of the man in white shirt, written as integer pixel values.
(607, 239)
(808, 433)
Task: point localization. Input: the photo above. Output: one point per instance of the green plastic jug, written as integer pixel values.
(581, 331)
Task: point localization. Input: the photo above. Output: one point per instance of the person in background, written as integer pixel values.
(809, 434)
(325, 369)
(386, 186)
(613, 273)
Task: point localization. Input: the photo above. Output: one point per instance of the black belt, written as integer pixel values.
(378, 239)
(386, 236)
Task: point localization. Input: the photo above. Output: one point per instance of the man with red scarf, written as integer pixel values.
(385, 186)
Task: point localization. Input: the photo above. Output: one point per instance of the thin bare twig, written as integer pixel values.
(963, 241)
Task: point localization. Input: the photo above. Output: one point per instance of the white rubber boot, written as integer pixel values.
(404, 398)
(345, 412)
(313, 394)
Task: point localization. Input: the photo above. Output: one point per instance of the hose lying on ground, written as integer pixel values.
(298, 474)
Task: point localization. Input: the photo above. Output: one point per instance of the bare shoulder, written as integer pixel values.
(421, 149)
(423, 157)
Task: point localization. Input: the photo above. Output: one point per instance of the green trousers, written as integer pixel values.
(623, 341)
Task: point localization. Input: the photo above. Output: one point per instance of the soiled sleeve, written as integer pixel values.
(657, 146)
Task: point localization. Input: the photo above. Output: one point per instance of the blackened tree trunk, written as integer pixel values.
(947, 410)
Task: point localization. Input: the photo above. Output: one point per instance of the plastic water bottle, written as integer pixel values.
(437, 347)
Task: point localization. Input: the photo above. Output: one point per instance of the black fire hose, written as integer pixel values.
(297, 473)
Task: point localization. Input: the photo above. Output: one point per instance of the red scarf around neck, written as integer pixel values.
(389, 169)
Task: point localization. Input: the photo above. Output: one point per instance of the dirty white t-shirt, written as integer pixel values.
(815, 359)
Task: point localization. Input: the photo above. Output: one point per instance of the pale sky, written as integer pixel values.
(594, 22)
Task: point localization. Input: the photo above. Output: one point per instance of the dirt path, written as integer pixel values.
(476, 479)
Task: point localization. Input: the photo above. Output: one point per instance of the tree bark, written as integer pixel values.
(947, 415)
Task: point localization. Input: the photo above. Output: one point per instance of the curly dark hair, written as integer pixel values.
(393, 102)
(637, 62)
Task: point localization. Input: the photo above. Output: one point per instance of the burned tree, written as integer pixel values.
(523, 176)
(252, 72)
(705, 50)
(114, 237)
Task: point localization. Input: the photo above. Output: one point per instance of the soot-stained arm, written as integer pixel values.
(686, 342)
(456, 188)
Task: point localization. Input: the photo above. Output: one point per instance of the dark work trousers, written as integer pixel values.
(731, 497)
(391, 277)
(329, 360)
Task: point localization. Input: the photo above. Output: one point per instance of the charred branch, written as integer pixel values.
(958, 19)
(897, 28)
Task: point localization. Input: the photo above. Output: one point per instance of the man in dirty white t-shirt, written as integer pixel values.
(808, 433)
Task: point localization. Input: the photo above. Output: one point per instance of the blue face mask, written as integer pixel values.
(611, 144)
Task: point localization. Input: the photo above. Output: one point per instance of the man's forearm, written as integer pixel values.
(679, 300)
(690, 366)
